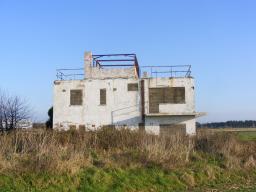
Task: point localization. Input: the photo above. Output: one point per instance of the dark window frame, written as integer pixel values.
(76, 97)
(103, 97)
(133, 87)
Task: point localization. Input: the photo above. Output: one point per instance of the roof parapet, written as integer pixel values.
(111, 66)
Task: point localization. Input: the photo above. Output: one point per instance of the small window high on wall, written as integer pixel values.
(132, 86)
(76, 97)
(103, 97)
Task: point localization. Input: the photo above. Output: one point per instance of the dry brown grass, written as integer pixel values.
(54, 151)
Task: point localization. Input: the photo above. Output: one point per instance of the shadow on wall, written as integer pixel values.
(130, 122)
(127, 115)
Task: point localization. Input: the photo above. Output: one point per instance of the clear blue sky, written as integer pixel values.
(217, 37)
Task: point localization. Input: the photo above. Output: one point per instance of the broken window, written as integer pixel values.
(132, 86)
(76, 97)
(172, 95)
(103, 97)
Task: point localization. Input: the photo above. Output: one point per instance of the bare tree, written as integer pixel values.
(13, 111)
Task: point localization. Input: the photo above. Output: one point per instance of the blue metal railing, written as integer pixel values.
(166, 71)
(146, 71)
(70, 74)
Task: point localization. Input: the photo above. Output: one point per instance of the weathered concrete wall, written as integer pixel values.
(165, 108)
(175, 113)
(103, 73)
(88, 64)
(122, 108)
(152, 124)
(122, 105)
(64, 114)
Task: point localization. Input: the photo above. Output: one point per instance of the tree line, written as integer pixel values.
(228, 124)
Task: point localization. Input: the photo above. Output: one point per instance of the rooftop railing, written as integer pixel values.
(146, 72)
(116, 61)
(166, 71)
(123, 61)
(70, 74)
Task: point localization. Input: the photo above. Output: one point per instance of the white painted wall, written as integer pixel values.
(64, 114)
(122, 108)
(152, 124)
(188, 83)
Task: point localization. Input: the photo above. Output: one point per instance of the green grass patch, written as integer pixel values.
(247, 135)
(196, 177)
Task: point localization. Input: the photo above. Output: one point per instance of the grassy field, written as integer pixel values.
(247, 136)
(244, 134)
(123, 160)
(132, 179)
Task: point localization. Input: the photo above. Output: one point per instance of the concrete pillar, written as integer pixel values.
(88, 64)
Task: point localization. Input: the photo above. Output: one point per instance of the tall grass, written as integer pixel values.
(54, 151)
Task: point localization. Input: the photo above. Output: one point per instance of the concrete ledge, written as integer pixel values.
(196, 114)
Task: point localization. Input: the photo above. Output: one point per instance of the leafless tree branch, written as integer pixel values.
(13, 111)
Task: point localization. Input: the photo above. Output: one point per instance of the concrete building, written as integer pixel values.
(112, 91)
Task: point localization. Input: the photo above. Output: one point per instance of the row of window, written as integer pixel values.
(76, 96)
(174, 95)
